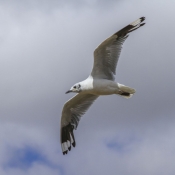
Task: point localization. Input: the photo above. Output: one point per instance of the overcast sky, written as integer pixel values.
(46, 46)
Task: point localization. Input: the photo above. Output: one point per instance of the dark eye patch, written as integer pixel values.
(74, 86)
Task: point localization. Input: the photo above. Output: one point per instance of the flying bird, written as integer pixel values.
(100, 82)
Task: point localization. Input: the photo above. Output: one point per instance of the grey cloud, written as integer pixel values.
(47, 6)
(42, 54)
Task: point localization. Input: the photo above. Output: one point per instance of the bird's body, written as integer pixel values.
(104, 87)
(99, 86)
(100, 82)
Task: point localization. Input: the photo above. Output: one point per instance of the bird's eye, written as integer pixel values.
(74, 87)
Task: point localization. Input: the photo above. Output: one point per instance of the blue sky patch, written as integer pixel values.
(122, 146)
(24, 158)
(115, 145)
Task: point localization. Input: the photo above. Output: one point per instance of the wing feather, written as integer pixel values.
(71, 114)
(106, 55)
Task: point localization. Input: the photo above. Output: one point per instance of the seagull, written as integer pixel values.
(100, 82)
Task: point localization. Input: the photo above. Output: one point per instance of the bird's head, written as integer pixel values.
(75, 88)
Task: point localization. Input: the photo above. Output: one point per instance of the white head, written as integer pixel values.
(75, 88)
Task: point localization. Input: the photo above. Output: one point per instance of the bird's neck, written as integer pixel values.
(87, 84)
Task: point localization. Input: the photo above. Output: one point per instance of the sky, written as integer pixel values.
(46, 47)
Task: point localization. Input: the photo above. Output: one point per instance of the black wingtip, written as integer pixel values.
(142, 24)
(131, 27)
(67, 135)
(65, 152)
(73, 144)
(142, 18)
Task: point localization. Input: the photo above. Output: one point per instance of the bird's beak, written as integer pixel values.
(68, 91)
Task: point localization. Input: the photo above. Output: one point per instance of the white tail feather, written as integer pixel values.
(126, 91)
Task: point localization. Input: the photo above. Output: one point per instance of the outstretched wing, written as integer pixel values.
(106, 55)
(71, 114)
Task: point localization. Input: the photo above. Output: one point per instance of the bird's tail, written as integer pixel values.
(126, 91)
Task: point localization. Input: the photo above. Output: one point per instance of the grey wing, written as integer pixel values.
(71, 114)
(106, 55)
